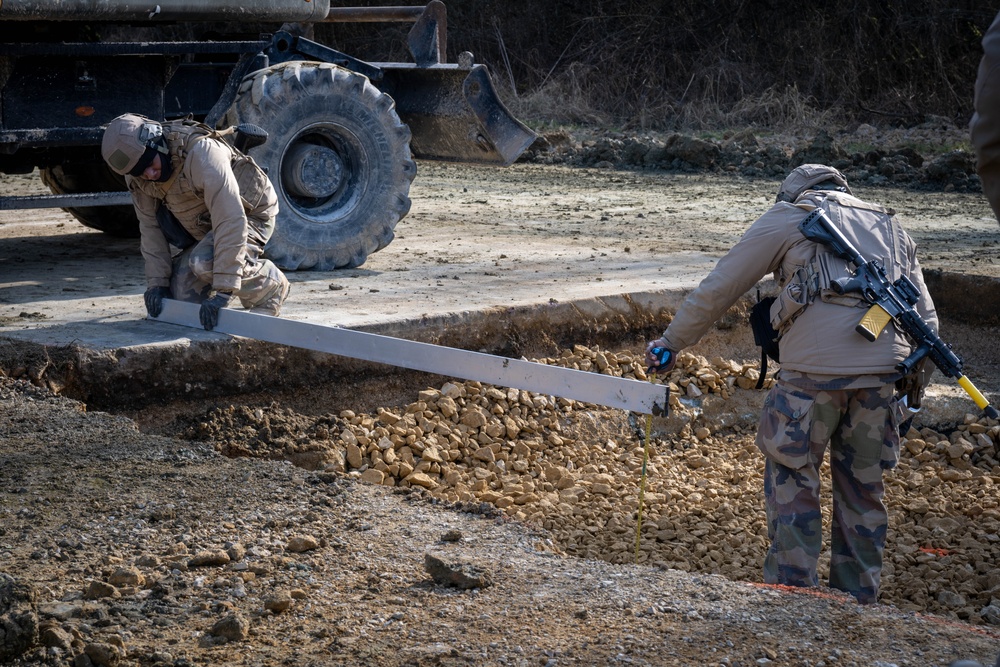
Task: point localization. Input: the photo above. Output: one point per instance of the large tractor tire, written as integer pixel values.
(338, 156)
(78, 177)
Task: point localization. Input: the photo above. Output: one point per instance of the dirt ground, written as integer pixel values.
(130, 539)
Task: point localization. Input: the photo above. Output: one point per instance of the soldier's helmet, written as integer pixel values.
(131, 142)
(811, 177)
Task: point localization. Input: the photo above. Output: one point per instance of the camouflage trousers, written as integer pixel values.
(263, 286)
(796, 427)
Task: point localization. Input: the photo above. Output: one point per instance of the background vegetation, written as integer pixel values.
(701, 64)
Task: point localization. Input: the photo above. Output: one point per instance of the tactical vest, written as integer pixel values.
(880, 237)
(179, 194)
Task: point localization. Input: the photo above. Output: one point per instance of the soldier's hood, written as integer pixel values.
(806, 177)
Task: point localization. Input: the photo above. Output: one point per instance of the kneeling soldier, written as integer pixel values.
(205, 212)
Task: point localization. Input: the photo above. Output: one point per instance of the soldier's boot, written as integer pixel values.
(272, 302)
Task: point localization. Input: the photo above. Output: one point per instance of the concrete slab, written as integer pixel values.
(61, 286)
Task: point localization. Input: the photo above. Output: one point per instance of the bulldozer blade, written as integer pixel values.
(455, 114)
(606, 390)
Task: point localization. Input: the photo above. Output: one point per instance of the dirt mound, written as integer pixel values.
(930, 156)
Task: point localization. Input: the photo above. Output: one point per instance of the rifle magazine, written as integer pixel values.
(873, 323)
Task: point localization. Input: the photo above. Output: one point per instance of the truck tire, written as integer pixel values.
(93, 176)
(339, 159)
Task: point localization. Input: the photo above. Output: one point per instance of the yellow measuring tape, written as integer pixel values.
(642, 484)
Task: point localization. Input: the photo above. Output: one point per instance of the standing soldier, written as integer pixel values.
(205, 212)
(834, 389)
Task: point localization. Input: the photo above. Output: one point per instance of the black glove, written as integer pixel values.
(154, 297)
(210, 308)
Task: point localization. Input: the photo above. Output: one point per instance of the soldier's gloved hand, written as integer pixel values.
(154, 297)
(660, 359)
(209, 314)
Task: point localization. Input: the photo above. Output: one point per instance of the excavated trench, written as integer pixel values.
(575, 469)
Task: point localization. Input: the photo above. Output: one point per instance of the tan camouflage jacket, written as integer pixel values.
(820, 338)
(205, 194)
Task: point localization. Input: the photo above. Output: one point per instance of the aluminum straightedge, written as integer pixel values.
(606, 390)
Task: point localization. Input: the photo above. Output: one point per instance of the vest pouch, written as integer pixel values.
(789, 303)
(252, 182)
(764, 334)
(172, 229)
(833, 268)
(850, 300)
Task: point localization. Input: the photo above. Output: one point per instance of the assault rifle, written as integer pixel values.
(890, 301)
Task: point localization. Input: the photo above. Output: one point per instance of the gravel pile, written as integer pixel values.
(575, 469)
(124, 549)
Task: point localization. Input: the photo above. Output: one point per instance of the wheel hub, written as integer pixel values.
(313, 171)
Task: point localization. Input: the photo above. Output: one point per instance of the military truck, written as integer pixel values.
(342, 133)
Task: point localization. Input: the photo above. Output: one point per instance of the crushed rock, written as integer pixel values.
(85, 497)
(573, 469)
